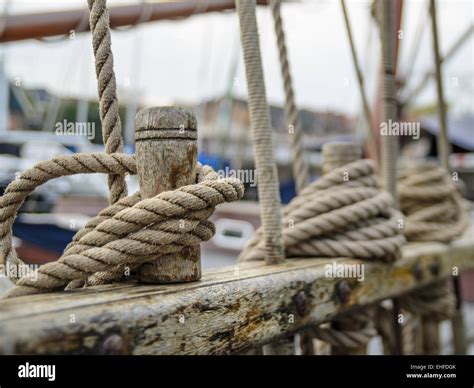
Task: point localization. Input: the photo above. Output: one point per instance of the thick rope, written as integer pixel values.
(343, 214)
(435, 301)
(435, 211)
(107, 89)
(389, 143)
(410, 331)
(17, 191)
(128, 233)
(300, 167)
(351, 332)
(268, 190)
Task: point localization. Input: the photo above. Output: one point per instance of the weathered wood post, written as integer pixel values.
(166, 154)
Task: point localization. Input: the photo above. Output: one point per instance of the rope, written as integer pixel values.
(435, 301)
(360, 79)
(410, 331)
(348, 332)
(338, 217)
(107, 89)
(17, 191)
(389, 143)
(128, 233)
(268, 190)
(300, 168)
(443, 145)
(434, 209)
(341, 215)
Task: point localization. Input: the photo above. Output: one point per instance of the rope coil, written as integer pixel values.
(130, 232)
(435, 301)
(349, 332)
(432, 204)
(343, 214)
(435, 211)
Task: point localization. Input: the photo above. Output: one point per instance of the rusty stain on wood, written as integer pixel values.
(221, 314)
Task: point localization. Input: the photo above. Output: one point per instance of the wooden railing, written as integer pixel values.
(228, 311)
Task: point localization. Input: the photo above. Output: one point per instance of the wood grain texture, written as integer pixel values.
(166, 153)
(228, 311)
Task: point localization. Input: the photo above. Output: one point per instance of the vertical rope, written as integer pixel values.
(444, 151)
(268, 190)
(360, 78)
(443, 145)
(300, 168)
(107, 88)
(389, 143)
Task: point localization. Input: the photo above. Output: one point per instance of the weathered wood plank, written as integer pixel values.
(228, 311)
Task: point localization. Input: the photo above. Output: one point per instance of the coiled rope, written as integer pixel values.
(130, 232)
(432, 204)
(348, 332)
(435, 211)
(435, 302)
(342, 214)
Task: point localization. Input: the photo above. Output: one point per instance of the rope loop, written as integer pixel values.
(126, 234)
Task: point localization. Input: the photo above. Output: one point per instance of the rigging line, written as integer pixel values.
(225, 115)
(415, 48)
(443, 145)
(360, 79)
(291, 113)
(458, 43)
(55, 107)
(367, 65)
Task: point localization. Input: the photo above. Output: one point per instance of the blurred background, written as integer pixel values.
(47, 83)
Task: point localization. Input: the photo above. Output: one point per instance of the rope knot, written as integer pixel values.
(126, 234)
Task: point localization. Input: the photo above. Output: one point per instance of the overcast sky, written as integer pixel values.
(190, 60)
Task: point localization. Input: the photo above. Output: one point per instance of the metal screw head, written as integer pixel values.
(343, 291)
(113, 345)
(301, 304)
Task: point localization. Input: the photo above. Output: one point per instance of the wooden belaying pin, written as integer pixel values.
(166, 154)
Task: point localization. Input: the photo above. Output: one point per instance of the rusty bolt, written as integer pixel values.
(435, 268)
(301, 303)
(113, 345)
(417, 271)
(343, 290)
